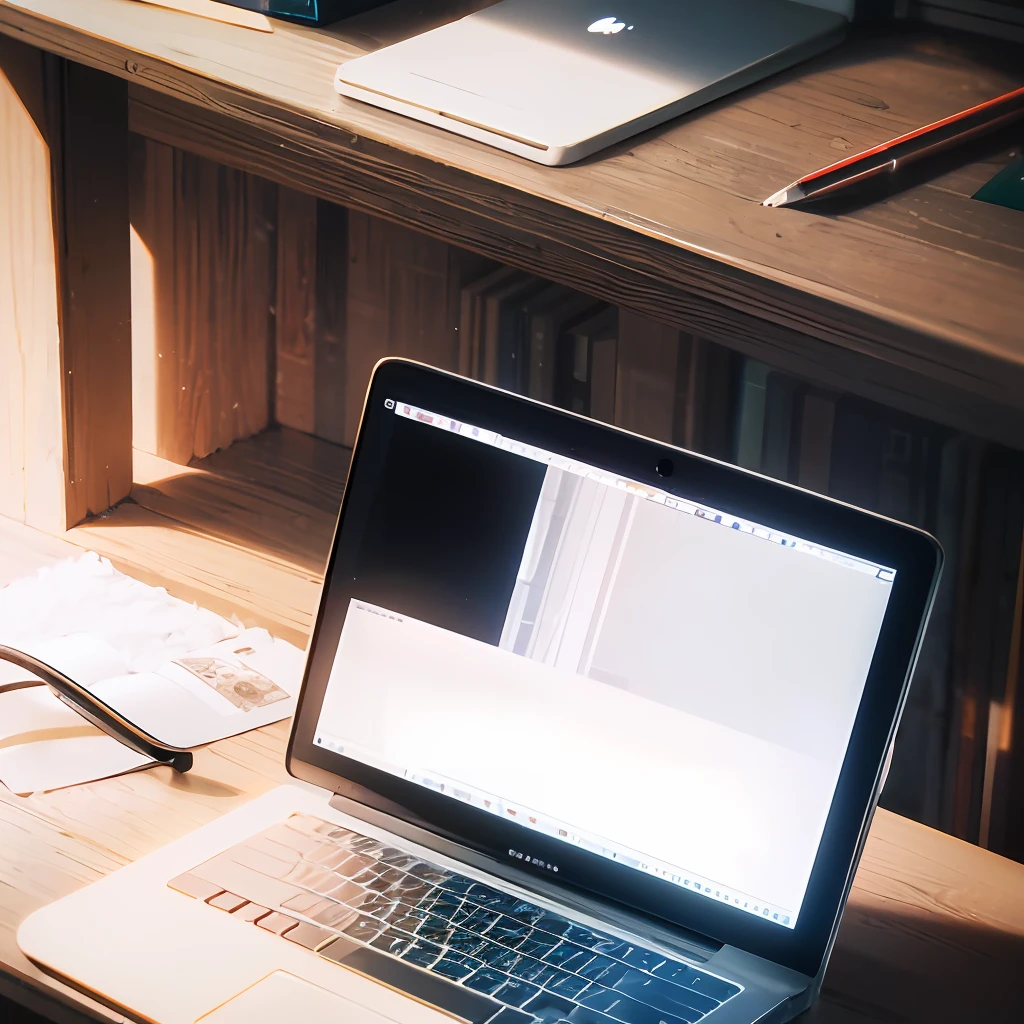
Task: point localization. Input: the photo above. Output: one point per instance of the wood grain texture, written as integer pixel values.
(934, 930)
(31, 443)
(645, 384)
(93, 243)
(65, 314)
(294, 404)
(204, 271)
(768, 323)
(403, 300)
(312, 298)
(903, 303)
(218, 12)
(331, 356)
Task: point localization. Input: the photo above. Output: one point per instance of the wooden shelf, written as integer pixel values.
(903, 301)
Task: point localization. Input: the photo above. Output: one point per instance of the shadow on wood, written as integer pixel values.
(204, 271)
(276, 495)
(896, 962)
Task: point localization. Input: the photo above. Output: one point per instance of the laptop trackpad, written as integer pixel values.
(282, 997)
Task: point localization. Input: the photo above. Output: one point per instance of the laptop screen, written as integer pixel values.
(601, 662)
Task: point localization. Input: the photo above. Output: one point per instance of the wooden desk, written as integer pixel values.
(913, 301)
(934, 931)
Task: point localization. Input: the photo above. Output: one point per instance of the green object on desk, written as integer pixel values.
(1006, 188)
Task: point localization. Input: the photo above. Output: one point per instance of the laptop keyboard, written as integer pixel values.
(448, 940)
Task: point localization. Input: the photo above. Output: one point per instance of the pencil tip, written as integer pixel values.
(778, 199)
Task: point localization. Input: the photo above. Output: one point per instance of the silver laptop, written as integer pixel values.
(556, 81)
(592, 730)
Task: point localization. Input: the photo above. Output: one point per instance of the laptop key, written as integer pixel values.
(194, 886)
(515, 992)
(529, 969)
(663, 995)
(609, 974)
(251, 913)
(336, 916)
(713, 987)
(549, 1008)
(364, 929)
(500, 958)
(508, 1015)
(428, 873)
(229, 874)
(537, 944)
(227, 901)
(565, 953)
(678, 974)
(480, 920)
(392, 941)
(629, 1011)
(425, 954)
(527, 913)
(308, 935)
(467, 942)
(486, 980)
(596, 997)
(584, 1015)
(308, 904)
(568, 985)
(455, 969)
(609, 946)
(507, 930)
(355, 865)
(279, 924)
(581, 936)
(598, 966)
(644, 959)
(553, 923)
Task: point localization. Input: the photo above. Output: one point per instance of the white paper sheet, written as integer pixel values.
(45, 745)
(161, 662)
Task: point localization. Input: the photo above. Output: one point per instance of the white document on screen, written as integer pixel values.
(421, 701)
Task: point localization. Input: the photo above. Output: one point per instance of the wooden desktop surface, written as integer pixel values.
(934, 930)
(914, 300)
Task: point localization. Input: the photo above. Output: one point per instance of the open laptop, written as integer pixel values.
(591, 730)
(556, 81)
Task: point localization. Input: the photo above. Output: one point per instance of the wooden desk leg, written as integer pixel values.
(65, 290)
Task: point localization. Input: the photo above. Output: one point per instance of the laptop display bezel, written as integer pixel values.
(914, 554)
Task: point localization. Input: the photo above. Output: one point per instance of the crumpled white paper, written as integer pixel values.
(121, 638)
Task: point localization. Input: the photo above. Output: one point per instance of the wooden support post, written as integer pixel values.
(65, 293)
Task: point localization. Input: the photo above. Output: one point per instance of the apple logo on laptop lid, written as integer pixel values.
(608, 26)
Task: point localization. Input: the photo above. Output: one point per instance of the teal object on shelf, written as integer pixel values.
(1006, 188)
(309, 12)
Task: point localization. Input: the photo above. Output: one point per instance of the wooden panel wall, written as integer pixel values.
(352, 289)
(312, 291)
(204, 274)
(65, 313)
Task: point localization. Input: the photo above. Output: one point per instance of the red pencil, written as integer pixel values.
(896, 154)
